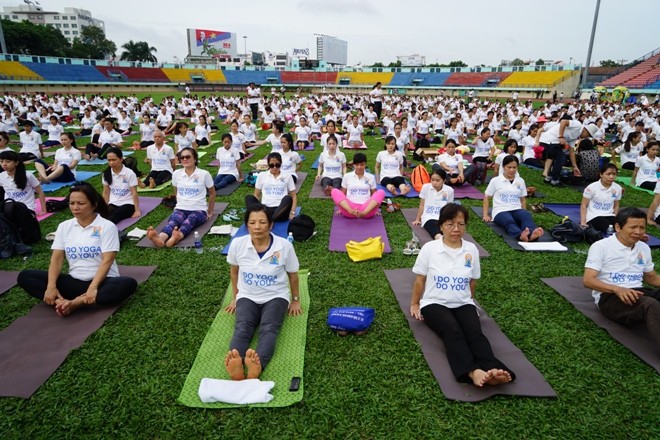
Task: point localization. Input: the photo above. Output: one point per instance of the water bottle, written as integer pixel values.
(198, 243)
(610, 231)
(290, 238)
(390, 207)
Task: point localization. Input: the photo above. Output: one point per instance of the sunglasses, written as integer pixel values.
(274, 165)
(186, 157)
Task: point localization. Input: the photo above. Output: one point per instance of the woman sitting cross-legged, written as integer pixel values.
(448, 308)
(275, 190)
(259, 255)
(191, 185)
(432, 198)
(358, 197)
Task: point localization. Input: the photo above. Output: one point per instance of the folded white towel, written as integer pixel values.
(221, 230)
(137, 234)
(240, 392)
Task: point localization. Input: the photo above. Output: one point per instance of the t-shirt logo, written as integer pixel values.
(468, 260)
(640, 259)
(275, 258)
(96, 231)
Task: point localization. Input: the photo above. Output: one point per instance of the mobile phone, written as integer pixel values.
(295, 384)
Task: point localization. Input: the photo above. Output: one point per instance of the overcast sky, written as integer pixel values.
(475, 31)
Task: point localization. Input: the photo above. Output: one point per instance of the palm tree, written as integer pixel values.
(138, 51)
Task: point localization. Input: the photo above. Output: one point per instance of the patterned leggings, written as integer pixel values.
(186, 221)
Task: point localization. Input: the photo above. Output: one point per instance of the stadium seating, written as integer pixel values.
(535, 79)
(187, 75)
(364, 78)
(17, 71)
(636, 76)
(308, 77)
(476, 79)
(66, 72)
(426, 79)
(134, 74)
(255, 76)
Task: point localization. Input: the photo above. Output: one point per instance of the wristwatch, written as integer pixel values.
(295, 298)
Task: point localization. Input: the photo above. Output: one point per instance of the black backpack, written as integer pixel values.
(10, 240)
(53, 205)
(131, 163)
(23, 219)
(302, 227)
(568, 232)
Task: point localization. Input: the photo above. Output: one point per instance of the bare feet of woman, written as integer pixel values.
(155, 237)
(524, 235)
(176, 237)
(253, 364)
(405, 190)
(65, 307)
(498, 376)
(480, 377)
(152, 182)
(234, 365)
(536, 234)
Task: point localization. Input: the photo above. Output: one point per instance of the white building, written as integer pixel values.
(412, 60)
(70, 22)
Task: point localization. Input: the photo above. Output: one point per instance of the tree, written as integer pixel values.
(540, 62)
(395, 64)
(457, 63)
(517, 62)
(138, 51)
(28, 38)
(92, 44)
(378, 64)
(609, 63)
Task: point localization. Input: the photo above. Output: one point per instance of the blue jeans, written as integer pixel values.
(514, 222)
(222, 180)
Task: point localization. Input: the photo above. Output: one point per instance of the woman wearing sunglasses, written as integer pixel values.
(275, 190)
(190, 187)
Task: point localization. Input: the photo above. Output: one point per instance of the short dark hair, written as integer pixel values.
(359, 158)
(450, 211)
(274, 155)
(96, 199)
(628, 212)
(510, 158)
(226, 136)
(257, 207)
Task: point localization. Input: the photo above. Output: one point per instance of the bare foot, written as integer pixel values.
(392, 189)
(152, 182)
(536, 234)
(405, 190)
(498, 377)
(480, 377)
(234, 365)
(253, 364)
(524, 235)
(155, 237)
(65, 307)
(141, 184)
(176, 237)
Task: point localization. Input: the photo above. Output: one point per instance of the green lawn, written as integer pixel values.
(124, 381)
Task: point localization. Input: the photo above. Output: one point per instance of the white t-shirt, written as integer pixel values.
(481, 148)
(657, 191)
(290, 161)
(571, 133)
(506, 195)
(274, 141)
(30, 143)
(647, 169)
(202, 132)
(618, 264)
(528, 143)
(332, 165)
(273, 189)
(191, 190)
(227, 161)
(324, 140)
(184, 141)
(448, 273)
(147, 132)
(358, 190)
(354, 133)
(25, 196)
(120, 188)
(434, 200)
(54, 132)
(254, 95)
(303, 133)
(161, 160)
(629, 156)
(237, 141)
(389, 163)
(249, 131)
(601, 199)
(500, 157)
(261, 279)
(451, 161)
(109, 137)
(67, 157)
(83, 247)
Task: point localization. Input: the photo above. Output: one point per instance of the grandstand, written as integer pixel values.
(194, 75)
(364, 78)
(545, 79)
(476, 79)
(13, 70)
(68, 72)
(641, 75)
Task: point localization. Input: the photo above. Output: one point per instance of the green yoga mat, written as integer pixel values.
(160, 187)
(626, 181)
(288, 361)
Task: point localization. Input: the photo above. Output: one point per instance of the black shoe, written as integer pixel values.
(558, 185)
(547, 182)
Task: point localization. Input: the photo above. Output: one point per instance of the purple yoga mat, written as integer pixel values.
(7, 280)
(190, 239)
(529, 381)
(411, 213)
(467, 191)
(147, 204)
(345, 229)
(35, 345)
(317, 192)
(637, 339)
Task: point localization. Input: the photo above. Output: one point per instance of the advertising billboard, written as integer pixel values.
(209, 43)
(332, 50)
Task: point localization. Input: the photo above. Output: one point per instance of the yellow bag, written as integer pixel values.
(368, 249)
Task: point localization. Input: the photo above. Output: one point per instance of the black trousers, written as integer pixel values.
(602, 223)
(255, 111)
(119, 213)
(278, 213)
(432, 227)
(646, 310)
(396, 181)
(468, 348)
(335, 183)
(159, 177)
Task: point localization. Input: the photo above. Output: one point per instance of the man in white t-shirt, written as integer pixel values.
(616, 269)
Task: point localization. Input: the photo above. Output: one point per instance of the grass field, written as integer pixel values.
(124, 381)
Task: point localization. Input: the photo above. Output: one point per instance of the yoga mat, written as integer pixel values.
(529, 381)
(512, 241)
(281, 229)
(411, 194)
(345, 229)
(204, 147)
(573, 213)
(80, 176)
(637, 339)
(317, 191)
(467, 191)
(315, 165)
(160, 187)
(189, 241)
(411, 213)
(37, 205)
(227, 190)
(147, 204)
(626, 181)
(97, 161)
(348, 147)
(301, 179)
(7, 280)
(35, 345)
(287, 362)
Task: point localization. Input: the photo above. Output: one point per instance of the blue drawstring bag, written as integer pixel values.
(350, 319)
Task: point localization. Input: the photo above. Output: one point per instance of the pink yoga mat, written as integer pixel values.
(348, 147)
(38, 207)
(345, 229)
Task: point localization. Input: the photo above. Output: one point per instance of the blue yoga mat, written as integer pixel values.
(97, 161)
(315, 165)
(573, 213)
(80, 176)
(281, 229)
(411, 194)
